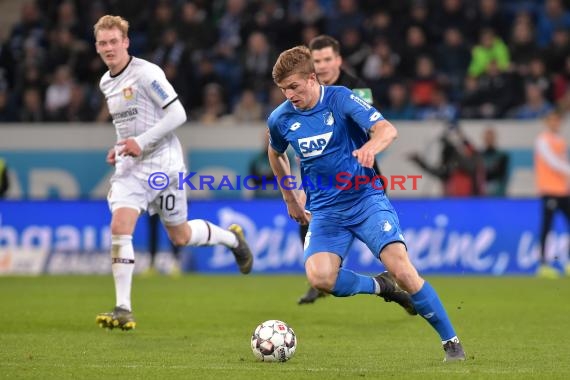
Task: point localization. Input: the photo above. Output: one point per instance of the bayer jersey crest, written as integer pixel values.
(128, 93)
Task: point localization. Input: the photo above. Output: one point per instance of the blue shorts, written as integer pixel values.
(373, 221)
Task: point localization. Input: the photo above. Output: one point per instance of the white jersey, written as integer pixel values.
(136, 98)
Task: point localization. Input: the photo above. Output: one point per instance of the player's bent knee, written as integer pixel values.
(322, 280)
(180, 239)
(179, 235)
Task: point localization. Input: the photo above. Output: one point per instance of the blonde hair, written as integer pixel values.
(296, 60)
(109, 22)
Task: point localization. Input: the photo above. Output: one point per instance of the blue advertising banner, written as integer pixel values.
(459, 236)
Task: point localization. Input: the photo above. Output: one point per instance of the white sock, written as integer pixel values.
(377, 289)
(206, 233)
(122, 265)
(455, 339)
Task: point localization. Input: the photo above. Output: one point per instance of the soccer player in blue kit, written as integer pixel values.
(337, 135)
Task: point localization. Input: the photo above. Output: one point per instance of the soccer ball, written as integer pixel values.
(273, 341)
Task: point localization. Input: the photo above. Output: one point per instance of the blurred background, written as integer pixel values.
(466, 82)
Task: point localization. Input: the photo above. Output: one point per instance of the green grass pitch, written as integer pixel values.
(199, 327)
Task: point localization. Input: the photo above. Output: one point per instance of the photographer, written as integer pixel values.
(461, 169)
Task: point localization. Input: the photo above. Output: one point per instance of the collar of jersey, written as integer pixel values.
(124, 68)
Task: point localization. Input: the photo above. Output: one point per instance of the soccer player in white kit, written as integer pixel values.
(146, 111)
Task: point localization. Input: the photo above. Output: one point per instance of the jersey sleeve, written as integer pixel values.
(356, 108)
(158, 87)
(276, 139)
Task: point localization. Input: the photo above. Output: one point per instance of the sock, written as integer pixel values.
(122, 265)
(349, 283)
(206, 233)
(429, 306)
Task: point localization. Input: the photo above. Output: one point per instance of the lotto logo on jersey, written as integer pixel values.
(314, 145)
(158, 89)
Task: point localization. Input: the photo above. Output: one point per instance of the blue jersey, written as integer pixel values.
(324, 138)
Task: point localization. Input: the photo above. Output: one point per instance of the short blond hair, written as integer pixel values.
(109, 22)
(296, 60)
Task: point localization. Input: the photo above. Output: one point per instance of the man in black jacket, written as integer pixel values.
(325, 52)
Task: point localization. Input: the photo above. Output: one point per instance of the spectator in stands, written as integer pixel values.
(537, 75)
(381, 28)
(162, 19)
(418, 15)
(347, 15)
(276, 97)
(473, 103)
(214, 105)
(561, 82)
(79, 107)
(312, 13)
(50, 34)
(58, 94)
(399, 106)
(535, 105)
(496, 164)
(453, 13)
(32, 106)
(552, 172)
(248, 109)
(29, 28)
(489, 49)
(452, 59)
(489, 15)
(557, 50)
(381, 54)
(416, 46)
(551, 16)
(424, 82)
(439, 107)
(381, 85)
(193, 28)
(522, 46)
(7, 114)
(495, 92)
(354, 49)
(256, 64)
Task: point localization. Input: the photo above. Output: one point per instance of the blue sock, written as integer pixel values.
(429, 306)
(349, 283)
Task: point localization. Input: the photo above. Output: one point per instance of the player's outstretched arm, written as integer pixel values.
(382, 133)
(282, 170)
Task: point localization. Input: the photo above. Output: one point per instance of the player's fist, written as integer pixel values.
(111, 157)
(129, 147)
(364, 156)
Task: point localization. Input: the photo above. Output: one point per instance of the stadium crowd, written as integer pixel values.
(423, 59)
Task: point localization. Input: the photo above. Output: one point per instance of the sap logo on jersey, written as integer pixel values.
(314, 145)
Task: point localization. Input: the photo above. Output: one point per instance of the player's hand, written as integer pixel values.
(111, 157)
(365, 156)
(298, 213)
(129, 147)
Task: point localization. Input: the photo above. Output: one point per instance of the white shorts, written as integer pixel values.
(170, 203)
